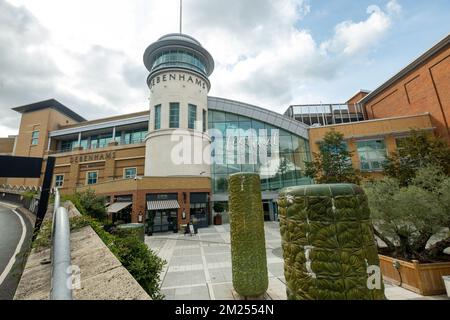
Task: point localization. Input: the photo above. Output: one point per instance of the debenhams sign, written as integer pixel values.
(93, 157)
(177, 76)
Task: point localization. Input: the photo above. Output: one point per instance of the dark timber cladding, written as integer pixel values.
(20, 167)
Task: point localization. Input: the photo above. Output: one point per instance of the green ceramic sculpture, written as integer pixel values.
(248, 249)
(328, 244)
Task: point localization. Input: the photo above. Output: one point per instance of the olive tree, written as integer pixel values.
(406, 217)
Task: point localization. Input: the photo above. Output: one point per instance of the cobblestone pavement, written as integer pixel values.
(199, 266)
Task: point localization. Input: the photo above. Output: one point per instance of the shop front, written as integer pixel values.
(120, 210)
(162, 212)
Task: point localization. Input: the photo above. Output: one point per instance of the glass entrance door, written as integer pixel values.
(164, 221)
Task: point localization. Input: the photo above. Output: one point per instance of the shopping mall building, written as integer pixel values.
(174, 159)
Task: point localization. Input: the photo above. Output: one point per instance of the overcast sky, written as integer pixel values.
(87, 54)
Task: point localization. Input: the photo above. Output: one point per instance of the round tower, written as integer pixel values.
(177, 140)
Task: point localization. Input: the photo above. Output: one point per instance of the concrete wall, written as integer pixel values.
(102, 276)
(184, 88)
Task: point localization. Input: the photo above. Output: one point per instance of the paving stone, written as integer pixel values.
(187, 252)
(176, 279)
(277, 269)
(220, 275)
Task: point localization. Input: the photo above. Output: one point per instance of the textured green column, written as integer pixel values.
(248, 247)
(328, 243)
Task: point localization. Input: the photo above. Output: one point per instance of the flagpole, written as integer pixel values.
(181, 16)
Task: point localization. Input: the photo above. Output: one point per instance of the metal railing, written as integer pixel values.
(61, 278)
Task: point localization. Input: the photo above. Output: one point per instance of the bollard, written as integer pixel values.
(248, 248)
(328, 244)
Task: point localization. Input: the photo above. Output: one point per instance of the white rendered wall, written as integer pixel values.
(163, 147)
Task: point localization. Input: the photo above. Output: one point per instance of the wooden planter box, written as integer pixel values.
(218, 219)
(422, 278)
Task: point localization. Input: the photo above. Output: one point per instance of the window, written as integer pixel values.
(91, 177)
(192, 116)
(158, 117)
(204, 120)
(129, 173)
(132, 137)
(59, 180)
(372, 154)
(35, 138)
(174, 120)
(67, 146)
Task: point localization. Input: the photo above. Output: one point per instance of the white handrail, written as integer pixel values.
(61, 282)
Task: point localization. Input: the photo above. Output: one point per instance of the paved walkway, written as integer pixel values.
(199, 266)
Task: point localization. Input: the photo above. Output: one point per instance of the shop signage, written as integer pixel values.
(93, 157)
(176, 76)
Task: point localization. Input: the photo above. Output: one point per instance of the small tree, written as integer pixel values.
(418, 150)
(333, 162)
(406, 217)
(219, 207)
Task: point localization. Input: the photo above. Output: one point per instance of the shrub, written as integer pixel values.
(248, 248)
(142, 263)
(406, 217)
(328, 243)
(88, 203)
(29, 195)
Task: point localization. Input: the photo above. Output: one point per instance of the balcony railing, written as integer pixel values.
(326, 114)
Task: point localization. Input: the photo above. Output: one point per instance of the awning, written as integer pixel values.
(117, 206)
(163, 205)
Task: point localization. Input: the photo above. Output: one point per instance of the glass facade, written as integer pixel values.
(101, 141)
(372, 154)
(289, 170)
(179, 58)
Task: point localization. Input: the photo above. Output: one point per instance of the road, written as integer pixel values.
(15, 236)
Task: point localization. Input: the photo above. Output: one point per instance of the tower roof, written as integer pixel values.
(178, 41)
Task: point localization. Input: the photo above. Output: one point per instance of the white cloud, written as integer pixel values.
(352, 38)
(88, 54)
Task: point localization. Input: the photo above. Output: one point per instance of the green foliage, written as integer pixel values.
(142, 263)
(219, 207)
(418, 150)
(88, 203)
(406, 217)
(328, 243)
(248, 249)
(333, 163)
(43, 240)
(29, 195)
